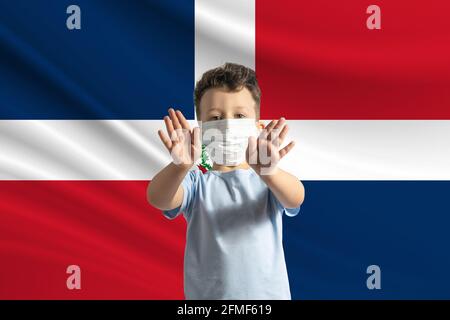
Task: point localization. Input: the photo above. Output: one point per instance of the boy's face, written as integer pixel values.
(219, 103)
(222, 104)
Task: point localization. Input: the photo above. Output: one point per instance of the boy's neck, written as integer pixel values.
(218, 167)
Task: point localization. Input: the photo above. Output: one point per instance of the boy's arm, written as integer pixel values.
(165, 191)
(287, 188)
(263, 155)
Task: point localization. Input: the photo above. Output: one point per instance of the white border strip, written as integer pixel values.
(370, 149)
(81, 149)
(131, 150)
(224, 32)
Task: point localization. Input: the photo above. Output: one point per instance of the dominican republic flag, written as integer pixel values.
(80, 109)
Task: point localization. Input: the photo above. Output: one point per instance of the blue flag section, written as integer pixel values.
(117, 66)
(346, 226)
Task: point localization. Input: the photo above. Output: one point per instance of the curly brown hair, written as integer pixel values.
(233, 77)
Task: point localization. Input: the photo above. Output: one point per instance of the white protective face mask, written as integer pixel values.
(226, 140)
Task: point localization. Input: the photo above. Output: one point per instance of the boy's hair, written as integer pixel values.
(233, 77)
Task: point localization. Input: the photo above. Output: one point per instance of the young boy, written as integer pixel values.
(234, 212)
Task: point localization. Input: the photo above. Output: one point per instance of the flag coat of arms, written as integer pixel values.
(369, 111)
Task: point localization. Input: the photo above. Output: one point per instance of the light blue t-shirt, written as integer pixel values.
(234, 244)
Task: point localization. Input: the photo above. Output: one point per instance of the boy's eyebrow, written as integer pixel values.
(240, 107)
(217, 109)
(213, 109)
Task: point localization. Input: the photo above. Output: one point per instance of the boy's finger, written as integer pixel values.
(283, 134)
(275, 132)
(252, 152)
(196, 137)
(165, 139)
(268, 153)
(196, 142)
(280, 123)
(183, 121)
(173, 134)
(169, 125)
(195, 153)
(174, 118)
(286, 149)
(265, 132)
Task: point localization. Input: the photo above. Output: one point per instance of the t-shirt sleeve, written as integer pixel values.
(189, 185)
(290, 212)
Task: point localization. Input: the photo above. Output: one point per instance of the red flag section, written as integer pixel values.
(318, 60)
(125, 248)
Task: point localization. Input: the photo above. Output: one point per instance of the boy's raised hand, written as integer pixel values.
(264, 153)
(183, 143)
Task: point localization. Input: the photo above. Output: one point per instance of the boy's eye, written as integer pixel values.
(214, 118)
(240, 115)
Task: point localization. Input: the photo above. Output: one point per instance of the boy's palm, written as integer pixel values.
(264, 153)
(184, 144)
